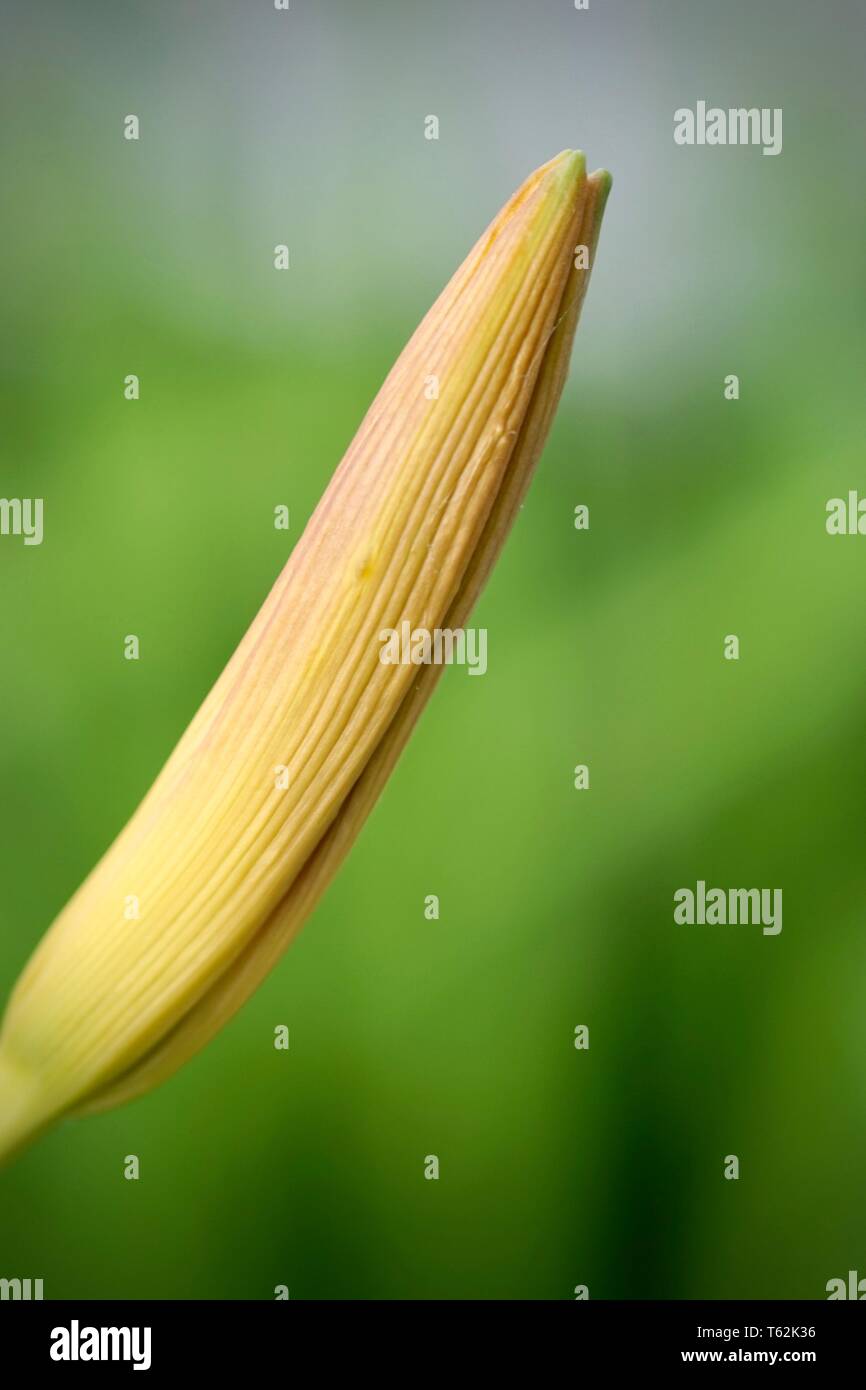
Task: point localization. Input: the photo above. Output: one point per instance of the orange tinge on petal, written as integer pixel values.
(224, 863)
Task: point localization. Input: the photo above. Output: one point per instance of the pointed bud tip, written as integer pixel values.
(570, 165)
(603, 181)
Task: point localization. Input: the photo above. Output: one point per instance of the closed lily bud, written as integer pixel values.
(223, 859)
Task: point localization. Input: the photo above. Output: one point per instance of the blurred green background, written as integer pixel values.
(455, 1037)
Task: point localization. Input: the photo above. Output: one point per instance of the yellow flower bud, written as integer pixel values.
(225, 860)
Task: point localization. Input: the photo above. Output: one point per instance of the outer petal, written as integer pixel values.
(236, 985)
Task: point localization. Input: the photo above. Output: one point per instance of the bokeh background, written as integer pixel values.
(707, 517)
